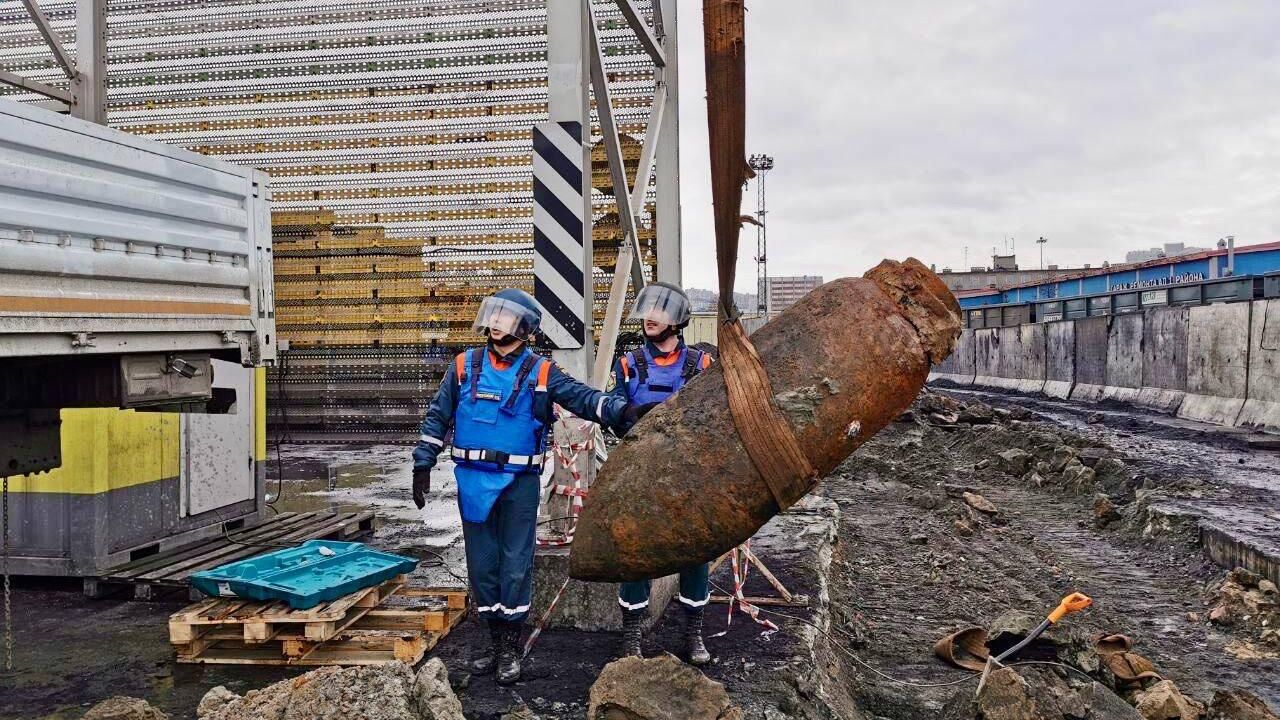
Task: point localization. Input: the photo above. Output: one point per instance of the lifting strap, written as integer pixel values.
(765, 433)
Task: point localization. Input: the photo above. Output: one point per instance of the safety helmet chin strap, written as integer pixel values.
(668, 332)
(504, 341)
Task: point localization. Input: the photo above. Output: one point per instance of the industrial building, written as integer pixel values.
(999, 276)
(784, 291)
(1227, 273)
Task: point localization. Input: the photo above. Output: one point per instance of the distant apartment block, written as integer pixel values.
(1169, 250)
(785, 291)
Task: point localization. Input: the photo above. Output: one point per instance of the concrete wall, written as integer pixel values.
(1124, 358)
(959, 367)
(1010, 358)
(1213, 363)
(1026, 360)
(1091, 358)
(1164, 359)
(1060, 358)
(1262, 407)
(1217, 363)
(986, 357)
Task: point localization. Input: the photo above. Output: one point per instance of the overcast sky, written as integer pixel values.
(919, 127)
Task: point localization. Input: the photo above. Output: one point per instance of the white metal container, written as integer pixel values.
(115, 244)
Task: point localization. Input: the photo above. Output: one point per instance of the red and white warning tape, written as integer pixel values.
(542, 621)
(740, 561)
(566, 455)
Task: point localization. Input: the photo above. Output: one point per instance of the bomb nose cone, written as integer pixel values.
(925, 301)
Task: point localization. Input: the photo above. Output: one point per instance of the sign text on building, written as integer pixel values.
(1169, 280)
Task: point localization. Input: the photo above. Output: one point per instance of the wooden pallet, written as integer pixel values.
(389, 622)
(169, 569)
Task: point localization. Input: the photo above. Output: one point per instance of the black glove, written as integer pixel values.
(421, 486)
(633, 413)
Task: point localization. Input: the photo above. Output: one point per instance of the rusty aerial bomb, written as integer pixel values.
(843, 362)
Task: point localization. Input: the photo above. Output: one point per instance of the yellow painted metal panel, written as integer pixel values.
(107, 449)
(260, 414)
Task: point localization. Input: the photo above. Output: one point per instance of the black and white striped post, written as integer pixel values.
(560, 234)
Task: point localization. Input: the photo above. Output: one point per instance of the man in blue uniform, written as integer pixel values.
(645, 377)
(498, 400)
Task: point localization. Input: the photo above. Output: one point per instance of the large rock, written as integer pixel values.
(1062, 455)
(124, 708)
(1015, 461)
(213, 701)
(1239, 705)
(661, 688)
(379, 692)
(1006, 696)
(432, 695)
(1163, 701)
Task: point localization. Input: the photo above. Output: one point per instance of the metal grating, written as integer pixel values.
(397, 135)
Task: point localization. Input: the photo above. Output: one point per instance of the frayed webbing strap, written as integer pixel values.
(767, 436)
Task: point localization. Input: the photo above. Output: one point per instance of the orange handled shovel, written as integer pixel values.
(1074, 602)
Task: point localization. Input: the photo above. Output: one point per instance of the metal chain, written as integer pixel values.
(8, 591)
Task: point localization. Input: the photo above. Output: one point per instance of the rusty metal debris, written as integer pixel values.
(843, 363)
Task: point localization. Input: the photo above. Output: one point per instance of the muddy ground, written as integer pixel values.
(902, 574)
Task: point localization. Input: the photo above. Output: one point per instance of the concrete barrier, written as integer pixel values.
(1025, 366)
(1014, 358)
(1217, 363)
(1124, 358)
(1164, 359)
(1059, 358)
(986, 357)
(959, 367)
(1090, 358)
(1262, 407)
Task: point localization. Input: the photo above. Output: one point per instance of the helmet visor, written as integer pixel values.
(504, 316)
(661, 304)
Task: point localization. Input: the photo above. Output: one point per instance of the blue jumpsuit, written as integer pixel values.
(648, 376)
(500, 410)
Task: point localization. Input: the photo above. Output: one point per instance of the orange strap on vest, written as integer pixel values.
(461, 366)
(544, 374)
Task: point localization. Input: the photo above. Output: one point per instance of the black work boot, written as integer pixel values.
(485, 664)
(509, 654)
(631, 621)
(693, 644)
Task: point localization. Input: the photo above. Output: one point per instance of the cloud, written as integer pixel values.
(921, 128)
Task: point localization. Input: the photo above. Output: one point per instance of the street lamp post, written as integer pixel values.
(761, 164)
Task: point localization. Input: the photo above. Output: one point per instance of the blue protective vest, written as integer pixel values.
(649, 382)
(503, 410)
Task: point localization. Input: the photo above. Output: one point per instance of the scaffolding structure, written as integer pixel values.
(397, 134)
